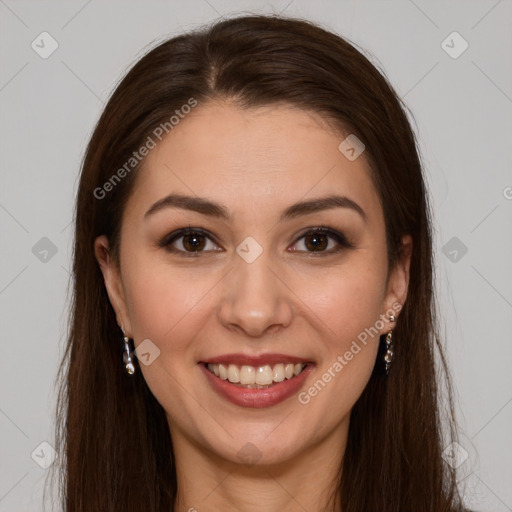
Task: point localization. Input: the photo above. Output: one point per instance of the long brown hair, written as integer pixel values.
(112, 433)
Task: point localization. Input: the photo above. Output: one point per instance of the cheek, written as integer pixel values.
(160, 299)
(348, 300)
(350, 308)
(168, 308)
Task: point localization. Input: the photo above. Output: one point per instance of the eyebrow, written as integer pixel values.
(210, 208)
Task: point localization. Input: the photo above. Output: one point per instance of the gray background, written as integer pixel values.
(462, 108)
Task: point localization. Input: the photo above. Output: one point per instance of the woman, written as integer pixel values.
(252, 220)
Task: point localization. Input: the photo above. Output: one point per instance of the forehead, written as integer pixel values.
(252, 160)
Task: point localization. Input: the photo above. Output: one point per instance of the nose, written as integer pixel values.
(255, 300)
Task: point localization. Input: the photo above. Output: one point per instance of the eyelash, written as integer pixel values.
(340, 238)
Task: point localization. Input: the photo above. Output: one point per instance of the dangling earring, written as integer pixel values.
(127, 357)
(388, 355)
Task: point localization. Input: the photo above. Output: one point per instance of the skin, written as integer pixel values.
(256, 162)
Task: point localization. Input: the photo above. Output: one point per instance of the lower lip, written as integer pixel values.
(253, 397)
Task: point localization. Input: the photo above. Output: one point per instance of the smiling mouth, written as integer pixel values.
(256, 377)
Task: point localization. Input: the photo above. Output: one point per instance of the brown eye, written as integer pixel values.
(316, 242)
(188, 242)
(319, 240)
(193, 242)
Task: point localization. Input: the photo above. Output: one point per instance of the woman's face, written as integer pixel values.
(258, 288)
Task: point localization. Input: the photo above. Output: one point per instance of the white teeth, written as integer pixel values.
(247, 375)
(264, 375)
(223, 372)
(252, 376)
(233, 373)
(214, 368)
(278, 373)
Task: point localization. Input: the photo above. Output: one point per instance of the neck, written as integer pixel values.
(306, 481)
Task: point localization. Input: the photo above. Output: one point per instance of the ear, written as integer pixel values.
(398, 283)
(113, 283)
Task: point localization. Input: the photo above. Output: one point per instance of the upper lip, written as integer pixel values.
(259, 360)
